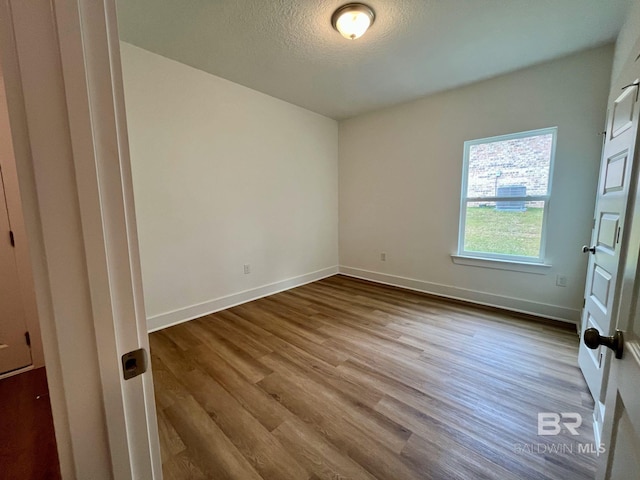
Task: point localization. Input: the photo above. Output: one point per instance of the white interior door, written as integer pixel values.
(621, 432)
(606, 251)
(14, 350)
(621, 436)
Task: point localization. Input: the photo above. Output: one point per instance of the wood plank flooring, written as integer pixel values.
(345, 379)
(27, 439)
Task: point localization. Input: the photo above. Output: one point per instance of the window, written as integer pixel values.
(506, 185)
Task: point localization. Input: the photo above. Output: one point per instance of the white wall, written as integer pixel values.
(225, 176)
(400, 178)
(627, 40)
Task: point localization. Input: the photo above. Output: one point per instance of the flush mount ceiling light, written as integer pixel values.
(352, 20)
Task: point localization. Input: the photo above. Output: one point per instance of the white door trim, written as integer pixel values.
(90, 53)
(64, 88)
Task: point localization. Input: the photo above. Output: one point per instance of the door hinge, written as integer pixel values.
(636, 85)
(27, 337)
(12, 238)
(584, 302)
(618, 237)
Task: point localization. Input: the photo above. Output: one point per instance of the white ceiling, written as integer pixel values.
(288, 48)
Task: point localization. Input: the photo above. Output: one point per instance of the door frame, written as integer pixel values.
(629, 296)
(19, 355)
(21, 250)
(61, 65)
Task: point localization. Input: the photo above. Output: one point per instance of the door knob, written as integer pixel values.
(593, 340)
(586, 249)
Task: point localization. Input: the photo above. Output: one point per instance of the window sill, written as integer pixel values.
(499, 264)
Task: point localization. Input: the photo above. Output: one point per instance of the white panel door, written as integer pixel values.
(14, 351)
(621, 436)
(606, 252)
(621, 431)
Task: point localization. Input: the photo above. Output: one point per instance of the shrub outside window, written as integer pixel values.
(506, 187)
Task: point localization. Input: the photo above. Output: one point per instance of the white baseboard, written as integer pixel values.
(553, 312)
(174, 317)
(16, 372)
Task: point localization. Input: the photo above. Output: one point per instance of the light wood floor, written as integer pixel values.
(346, 379)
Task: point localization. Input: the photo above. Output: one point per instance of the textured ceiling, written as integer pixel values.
(288, 49)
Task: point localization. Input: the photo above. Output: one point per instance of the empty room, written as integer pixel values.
(393, 240)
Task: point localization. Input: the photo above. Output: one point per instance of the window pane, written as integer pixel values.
(490, 228)
(510, 167)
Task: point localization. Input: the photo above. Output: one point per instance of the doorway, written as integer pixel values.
(28, 444)
(15, 341)
(83, 249)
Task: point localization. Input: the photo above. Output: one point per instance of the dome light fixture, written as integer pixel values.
(353, 19)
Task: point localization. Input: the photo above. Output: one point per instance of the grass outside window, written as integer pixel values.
(488, 230)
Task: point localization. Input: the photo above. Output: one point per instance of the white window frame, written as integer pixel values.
(464, 199)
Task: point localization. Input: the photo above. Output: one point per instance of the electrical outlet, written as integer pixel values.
(247, 268)
(383, 257)
(561, 280)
